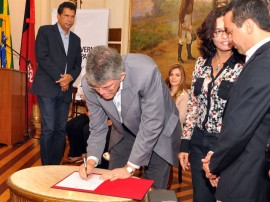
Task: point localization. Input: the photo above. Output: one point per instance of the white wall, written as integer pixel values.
(119, 18)
(85, 3)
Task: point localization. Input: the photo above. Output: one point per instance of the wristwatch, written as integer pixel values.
(130, 170)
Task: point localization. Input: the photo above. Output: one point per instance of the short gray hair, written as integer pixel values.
(103, 64)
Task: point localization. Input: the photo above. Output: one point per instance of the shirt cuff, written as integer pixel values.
(133, 165)
(95, 159)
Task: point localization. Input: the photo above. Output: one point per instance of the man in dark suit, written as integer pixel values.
(239, 155)
(58, 53)
(145, 121)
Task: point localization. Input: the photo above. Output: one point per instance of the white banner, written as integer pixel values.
(92, 26)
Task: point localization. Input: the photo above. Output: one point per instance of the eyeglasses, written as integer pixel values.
(219, 32)
(106, 88)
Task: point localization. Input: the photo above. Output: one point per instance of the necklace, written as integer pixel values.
(218, 67)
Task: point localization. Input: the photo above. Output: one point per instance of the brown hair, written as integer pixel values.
(182, 85)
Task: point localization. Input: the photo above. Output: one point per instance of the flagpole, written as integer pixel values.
(28, 62)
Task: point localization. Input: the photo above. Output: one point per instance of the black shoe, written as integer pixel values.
(190, 58)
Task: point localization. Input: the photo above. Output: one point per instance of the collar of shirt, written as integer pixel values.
(253, 49)
(118, 93)
(119, 90)
(117, 100)
(62, 31)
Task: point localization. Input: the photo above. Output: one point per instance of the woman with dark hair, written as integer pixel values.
(176, 81)
(214, 74)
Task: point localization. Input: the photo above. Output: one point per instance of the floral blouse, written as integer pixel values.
(208, 95)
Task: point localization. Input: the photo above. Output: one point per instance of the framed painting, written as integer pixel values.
(154, 30)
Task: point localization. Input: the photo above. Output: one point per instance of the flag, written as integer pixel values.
(28, 58)
(6, 44)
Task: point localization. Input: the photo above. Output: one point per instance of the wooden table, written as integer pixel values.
(34, 184)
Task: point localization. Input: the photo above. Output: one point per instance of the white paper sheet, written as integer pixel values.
(75, 181)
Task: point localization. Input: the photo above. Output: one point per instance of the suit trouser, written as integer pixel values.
(78, 134)
(76, 129)
(200, 144)
(157, 170)
(54, 115)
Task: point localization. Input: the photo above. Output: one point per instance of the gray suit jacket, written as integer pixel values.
(52, 60)
(147, 110)
(239, 155)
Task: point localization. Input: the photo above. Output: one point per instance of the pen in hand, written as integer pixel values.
(85, 165)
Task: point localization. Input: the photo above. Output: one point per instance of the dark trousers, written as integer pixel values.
(200, 144)
(157, 170)
(54, 115)
(78, 133)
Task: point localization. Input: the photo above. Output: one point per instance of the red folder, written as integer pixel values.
(133, 188)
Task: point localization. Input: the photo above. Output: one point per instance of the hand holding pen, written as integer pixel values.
(87, 168)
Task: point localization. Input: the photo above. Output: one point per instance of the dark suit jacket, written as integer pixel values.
(239, 155)
(52, 59)
(147, 110)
